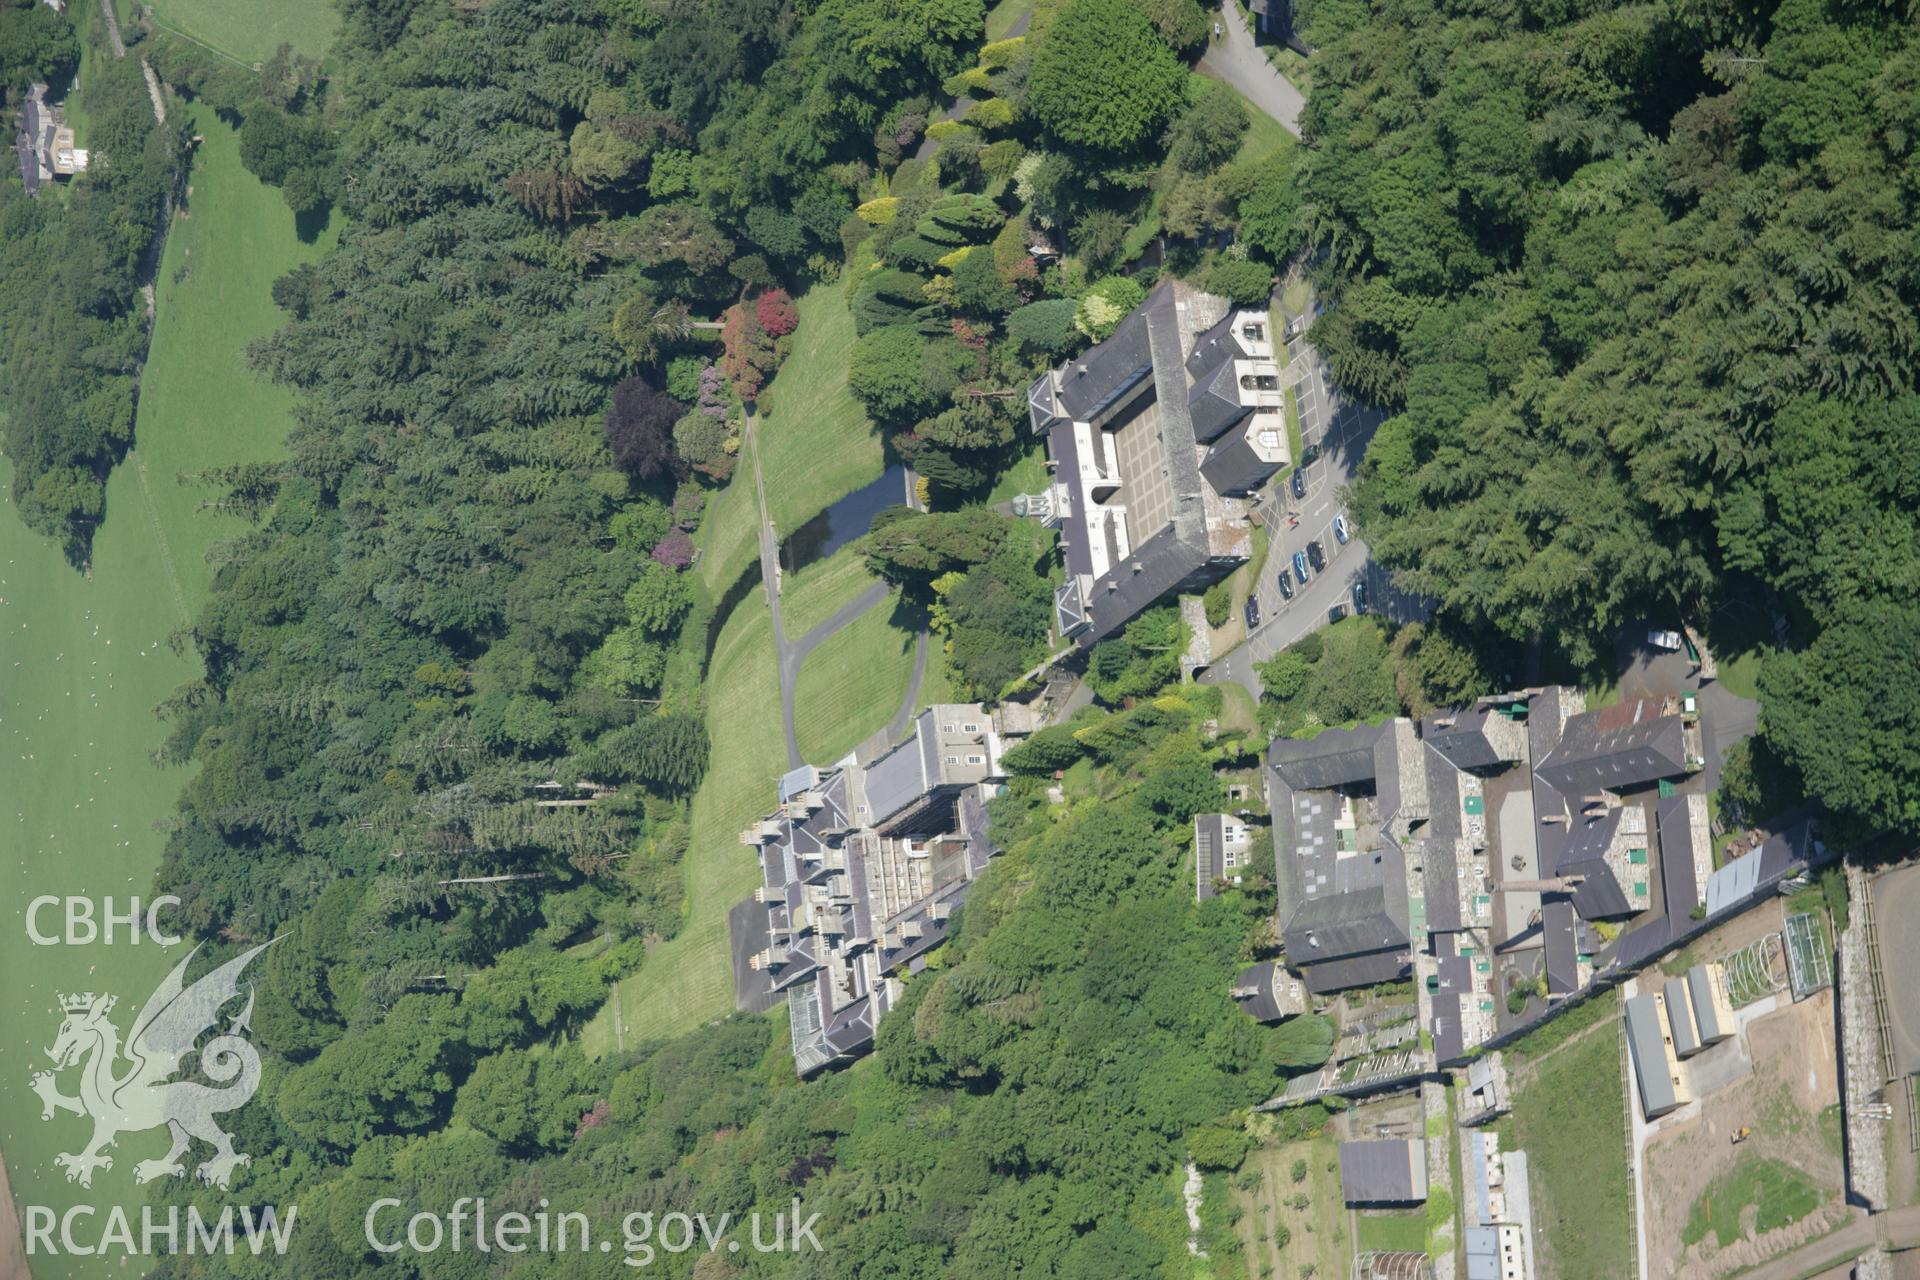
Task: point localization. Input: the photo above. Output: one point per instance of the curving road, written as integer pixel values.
(1239, 60)
(792, 653)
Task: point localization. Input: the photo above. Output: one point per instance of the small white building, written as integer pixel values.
(1220, 845)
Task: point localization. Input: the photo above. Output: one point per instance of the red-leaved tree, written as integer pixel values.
(776, 313)
(749, 358)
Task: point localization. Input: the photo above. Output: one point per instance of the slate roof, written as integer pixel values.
(1234, 467)
(1289, 876)
(1464, 742)
(1337, 925)
(1146, 344)
(1562, 945)
(1614, 748)
(1331, 758)
(894, 781)
(1214, 403)
(1386, 773)
(1214, 346)
(1601, 897)
(1267, 993)
(1679, 887)
(26, 144)
(1090, 384)
(1439, 870)
(1356, 971)
(1641, 944)
(1443, 796)
(1449, 1033)
(1391, 1171)
(1455, 975)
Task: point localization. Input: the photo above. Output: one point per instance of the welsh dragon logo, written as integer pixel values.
(143, 1095)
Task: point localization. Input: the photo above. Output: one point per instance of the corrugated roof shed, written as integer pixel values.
(1706, 1018)
(1733, 883)
(1649, 1054)
(1483, 1253)
(1680, 1017)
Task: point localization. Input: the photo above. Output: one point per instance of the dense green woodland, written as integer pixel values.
(1636, 283)
(1641, 284)
(72, 320)
(570, 233)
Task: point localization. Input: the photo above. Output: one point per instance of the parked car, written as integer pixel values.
(1341, 530)
(1253, 613)
(1300, 567)
(1336, 613)
(1298, 484)
(1316, 556)
(1285, 583)
(1359, 594)
(1308, 454)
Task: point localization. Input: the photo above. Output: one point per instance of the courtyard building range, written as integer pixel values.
(864, 864)
(1521, 823)
(1159, 439)
(45, 145)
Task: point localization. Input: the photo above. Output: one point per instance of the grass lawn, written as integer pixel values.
(729, 535)
(1237, 709)
(1240, 584)
(1292, 66)
(1393, 1232)
(86, 661)
(1601, 696)
(816, 442)
(851, 685)
(200, 406)
(1265, 136)
(1297, 296)
(1296, 443)
(1316, 1236)
(688, 980)
(1739, 637)
(1780, 1193)
(937, 685)
(1028, 474)
(249, 31)
(1002, 16)
(1570, 1117)
(809, 596)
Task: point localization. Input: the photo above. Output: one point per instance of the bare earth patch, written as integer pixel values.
(1791, 1081)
